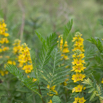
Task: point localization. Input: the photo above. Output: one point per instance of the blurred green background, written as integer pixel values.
(23, 17)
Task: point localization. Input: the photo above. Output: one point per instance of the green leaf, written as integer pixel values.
(67, 30)
(40, 37)
(93, 95)
(97, 42)
(91, 90)
(27, 81)
(56, 99)
(47, 48)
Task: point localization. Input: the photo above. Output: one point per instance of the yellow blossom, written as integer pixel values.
(9, 62)
(75, 77)
(102, 80)
(48, 86)
(6, 34)
(53, 87)
(50, 101)
(27, 68)
(79, 88)
(65, 50)
(76, 100)
(2, 73)
(77, 61)
(34, 79)
(78, 68)
(14, 63)
(81, 77)
(84, 88)
(82, 100)
(5, 48)
(1, 50)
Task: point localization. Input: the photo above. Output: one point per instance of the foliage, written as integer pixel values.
(51, 81)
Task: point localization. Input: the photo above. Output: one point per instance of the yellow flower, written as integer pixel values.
(56, 93)
(81, 55)
(5, 48)
(79, 88)
(82, 100)
(78, 62)
(20, 65)
(53, 87)
(84, 88)
(50, 101)
(50, 94)
(0, 50)
(102, 80)
(76, 100)
(77, 47)
(74, 39)
(34, 79)
(77, 43)
(78, 68)
(48, 86)
(65, 50)
(75, 77)
(27, 68)
(14, 63)
(2, 73)
(73, 90)
(65, 57)
(6, 34)
(81, 77)
(65, 45)
(9, 62)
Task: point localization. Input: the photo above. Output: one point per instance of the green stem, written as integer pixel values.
(41, 94)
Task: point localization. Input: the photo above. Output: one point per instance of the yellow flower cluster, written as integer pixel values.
(3, 44)
(3, 36)
(3, 72)
(78, 65)
(78, 88)
(64, 49)
(50, 101)
(52, 89)
(11, 62)
(24, 59)
(80, 100)
(17, 46)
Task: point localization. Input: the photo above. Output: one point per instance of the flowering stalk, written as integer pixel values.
(3, 45)
(78, 66)
(64, 50)
(24, 59)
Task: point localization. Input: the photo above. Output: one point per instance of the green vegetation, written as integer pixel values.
(51, 51)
